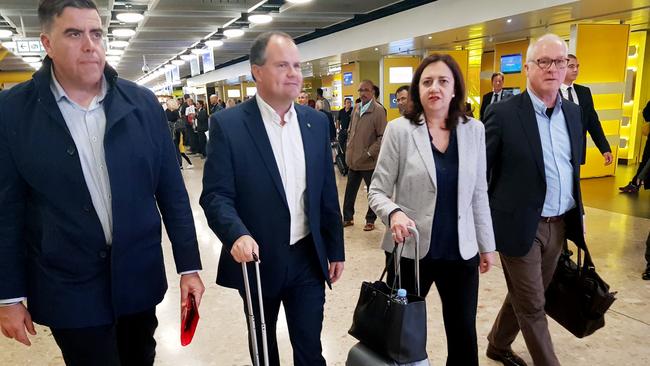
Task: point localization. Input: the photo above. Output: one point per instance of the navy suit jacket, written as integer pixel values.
(517, 179)
(243, 193)
(52, 246)
(590, 122)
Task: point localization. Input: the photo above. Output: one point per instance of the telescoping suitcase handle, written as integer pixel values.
(398, 259)
(251, 317)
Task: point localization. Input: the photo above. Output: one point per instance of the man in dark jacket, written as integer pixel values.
(80, 202)
(633, 186)
(202, 127)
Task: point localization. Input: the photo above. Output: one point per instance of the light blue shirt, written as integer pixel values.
(87, 127)
(556, 150)
(364, 107)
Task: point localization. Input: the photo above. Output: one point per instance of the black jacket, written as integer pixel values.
(590, 122)
(202, 120)
(517, 180)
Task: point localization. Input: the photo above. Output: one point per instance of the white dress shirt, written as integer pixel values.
(289, 153)
(496, 97)
(565, 93)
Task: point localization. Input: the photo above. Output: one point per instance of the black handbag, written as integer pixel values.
(577, 297)
(398, 331)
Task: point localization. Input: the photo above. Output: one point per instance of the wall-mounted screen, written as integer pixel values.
(347, 78)
(234, 93)
(400, 75)
(511, 64)
(250, 91)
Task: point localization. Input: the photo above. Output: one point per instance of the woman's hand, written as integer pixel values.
(399, 224)
(487, 259)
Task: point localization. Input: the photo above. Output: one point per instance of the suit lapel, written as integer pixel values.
(42, 80)
(116, 106)
(574, 126)
(423, 143)
(309, 140)
(255, 126)
(528, 122)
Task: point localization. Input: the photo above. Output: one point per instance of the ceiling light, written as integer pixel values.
(509, 20)
(6, 33)
(113, 58)
(298, 1)
(36, 65)
(187, 57)
(123, 32)
(178, 62)
(376, 49)
(129, 17)
(31, 59)
(169, 67)
(118, 44)
(214, 43)
(429, 37)
(114, 52)
(198, 51)
(260, 18)
(233, 33)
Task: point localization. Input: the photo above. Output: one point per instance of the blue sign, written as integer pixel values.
(347, 78)
(393, 101)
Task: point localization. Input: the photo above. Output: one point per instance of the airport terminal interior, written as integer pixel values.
(200, 48)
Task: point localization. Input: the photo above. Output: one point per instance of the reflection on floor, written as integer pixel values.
(603, 193)
(617, 240)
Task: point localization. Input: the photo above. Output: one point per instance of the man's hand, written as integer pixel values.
(243, 249)
(399, 224)
(336, 270)
(191, 284)
(609, 158)
(14, 319)
(487, 259)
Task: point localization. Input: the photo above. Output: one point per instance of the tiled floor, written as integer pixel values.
(617, 241)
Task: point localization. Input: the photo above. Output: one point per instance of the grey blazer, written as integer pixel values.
(405, 178)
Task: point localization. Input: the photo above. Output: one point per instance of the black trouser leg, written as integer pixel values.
(370, 214)
(128, 342)
(177, 141)
(644, 159)
(647, 250)
(351, 189)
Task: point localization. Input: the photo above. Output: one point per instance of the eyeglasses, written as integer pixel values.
(545, 63)
(364, 90)
(576, 66)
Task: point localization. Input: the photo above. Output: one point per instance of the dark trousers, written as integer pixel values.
(179, 154)
(351, 190)
(128, 342)
(644, 160)
(457, 284)
(202, 143)
(647, 250)
(527, 278)
(303, 298)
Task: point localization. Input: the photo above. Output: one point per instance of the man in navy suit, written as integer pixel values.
(87, 167)
(269, 189)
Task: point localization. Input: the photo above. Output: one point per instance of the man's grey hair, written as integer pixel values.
(258, 49)
(548, 37)
(49, 9)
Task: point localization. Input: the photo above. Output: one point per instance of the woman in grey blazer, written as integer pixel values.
(431, 174)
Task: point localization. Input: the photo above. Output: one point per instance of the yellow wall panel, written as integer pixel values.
(15, 76)
(608, 101)
(487, 67)
(596, 65)
(351, 90)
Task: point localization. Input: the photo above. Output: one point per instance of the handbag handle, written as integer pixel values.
(416, 236)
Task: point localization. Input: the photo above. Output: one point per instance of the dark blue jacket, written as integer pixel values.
(52, 246)
(243, 193)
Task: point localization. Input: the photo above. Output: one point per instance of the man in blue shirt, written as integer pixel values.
(80, 203)
(534, 142)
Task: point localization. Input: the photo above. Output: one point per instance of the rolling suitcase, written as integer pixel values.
(251, 316)
(340, 160)
(362, 355)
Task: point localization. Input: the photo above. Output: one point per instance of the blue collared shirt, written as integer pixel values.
(87, 127)
(556, 150)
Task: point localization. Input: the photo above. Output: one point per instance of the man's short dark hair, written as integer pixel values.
(319, 92)
(49, 9)
(497, 74)
(186, 96)
(258, 49)
(376, 88)
(572, 56)
(402, 88)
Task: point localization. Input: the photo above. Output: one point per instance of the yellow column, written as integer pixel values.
(604, 73)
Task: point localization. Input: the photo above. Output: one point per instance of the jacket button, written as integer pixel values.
(103, 254)
(71, 150)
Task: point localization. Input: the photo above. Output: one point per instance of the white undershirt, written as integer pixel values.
(289, 153)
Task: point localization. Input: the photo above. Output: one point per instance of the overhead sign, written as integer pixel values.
(29, 46)
(208, 61)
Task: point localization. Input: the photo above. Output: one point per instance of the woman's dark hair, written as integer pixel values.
(457, 104)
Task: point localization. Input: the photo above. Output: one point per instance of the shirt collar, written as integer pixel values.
(564, 87)
(269, 114)
(540, 107)
(59, 92)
